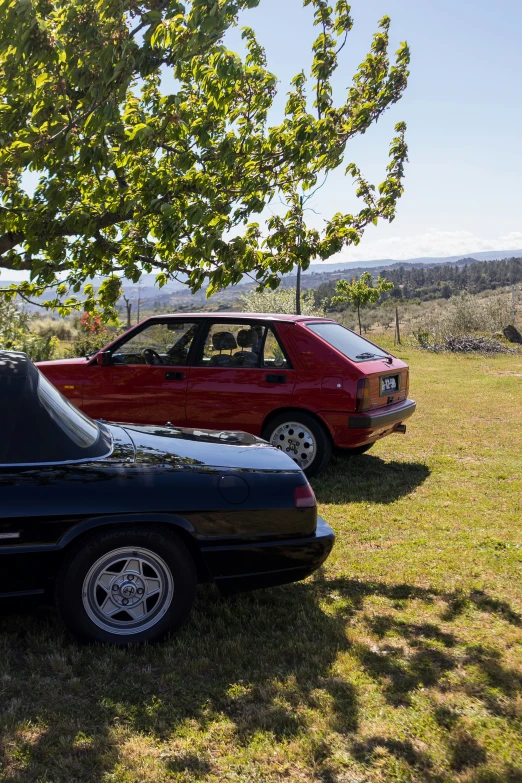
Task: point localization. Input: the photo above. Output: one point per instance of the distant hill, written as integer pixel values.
(435, 281)
(175, 294)
(352, 267)
(483, 255)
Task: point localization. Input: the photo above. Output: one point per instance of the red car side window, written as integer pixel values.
(273, 355)
(232, 345)
(160, 343)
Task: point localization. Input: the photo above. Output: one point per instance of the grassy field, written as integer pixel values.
(400, 661)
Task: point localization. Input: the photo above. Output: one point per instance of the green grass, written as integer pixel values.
(400, 661)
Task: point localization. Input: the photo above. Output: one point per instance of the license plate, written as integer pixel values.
(389, 384)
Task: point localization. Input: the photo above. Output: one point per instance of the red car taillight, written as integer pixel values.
(304, 496)
(363, 399)
(407, 383)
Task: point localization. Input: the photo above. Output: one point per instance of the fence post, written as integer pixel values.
(397, 329)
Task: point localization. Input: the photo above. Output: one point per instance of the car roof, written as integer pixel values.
(226, 316)
(38, 425)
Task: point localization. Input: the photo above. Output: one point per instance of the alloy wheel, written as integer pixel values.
(297, 441)
(127, 590)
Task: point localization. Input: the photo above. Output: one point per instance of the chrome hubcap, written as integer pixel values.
(296, 441)
(127, 590)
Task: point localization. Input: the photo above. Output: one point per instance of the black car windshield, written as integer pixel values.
(38, 425)
(351, 345)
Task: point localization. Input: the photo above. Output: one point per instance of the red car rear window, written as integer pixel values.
(352, 345)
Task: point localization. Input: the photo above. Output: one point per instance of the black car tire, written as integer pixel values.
(356, 450)
(321, 438)
(157, 554)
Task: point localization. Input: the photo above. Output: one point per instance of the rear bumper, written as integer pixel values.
(382, 417)
(248, 566)
(349, 430)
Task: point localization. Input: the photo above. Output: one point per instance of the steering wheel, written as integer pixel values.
(151, 356)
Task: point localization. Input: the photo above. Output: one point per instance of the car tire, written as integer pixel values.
(356, 450)
(304, 430)
(126, 586)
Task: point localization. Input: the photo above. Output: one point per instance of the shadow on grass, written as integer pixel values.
(426, 652)
(256, 665)
(365, 478)
(249, 664)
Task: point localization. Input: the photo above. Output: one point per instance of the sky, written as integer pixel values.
(462, 106)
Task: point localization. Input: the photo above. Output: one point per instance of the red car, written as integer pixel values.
(305, 384)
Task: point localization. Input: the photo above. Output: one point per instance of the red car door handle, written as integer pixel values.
(273, 378)
(174, 376)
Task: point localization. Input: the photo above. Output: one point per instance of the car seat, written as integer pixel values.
(247, 338)
(223, 341)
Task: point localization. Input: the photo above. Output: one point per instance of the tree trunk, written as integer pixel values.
(298, 292)
(397, 326)
(128, 308)
(139, 303)
(359, 317)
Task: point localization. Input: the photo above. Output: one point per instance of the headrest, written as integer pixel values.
(244, 338)
(249, 338)
(223, 341)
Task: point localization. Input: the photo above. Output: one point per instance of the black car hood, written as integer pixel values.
(208, 448)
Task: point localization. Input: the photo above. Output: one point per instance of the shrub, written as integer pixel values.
(464, 315)
(92, 336)
(16, 334)
(51, 327)
(282, 300)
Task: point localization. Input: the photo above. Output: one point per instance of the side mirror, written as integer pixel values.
(103, 358)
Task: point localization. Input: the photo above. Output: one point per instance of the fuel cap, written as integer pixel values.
(233, 489)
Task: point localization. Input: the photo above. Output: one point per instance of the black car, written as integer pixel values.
(123, 522)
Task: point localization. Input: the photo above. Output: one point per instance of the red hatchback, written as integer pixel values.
(305, 384)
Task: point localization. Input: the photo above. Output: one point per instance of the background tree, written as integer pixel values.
(282, 300)
(128, 309)
(360, 292)
(16, 335)
(133, 179)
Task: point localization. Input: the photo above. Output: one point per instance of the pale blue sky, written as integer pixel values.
(463, 107)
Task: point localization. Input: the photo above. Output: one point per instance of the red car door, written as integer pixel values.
(241, 375)
(146, 380)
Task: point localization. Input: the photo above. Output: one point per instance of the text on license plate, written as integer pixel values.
(389, 384)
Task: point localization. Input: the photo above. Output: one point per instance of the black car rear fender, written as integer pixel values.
(172, 522)
(88, 525)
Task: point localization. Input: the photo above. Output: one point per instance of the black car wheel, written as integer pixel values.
(301, 437)
(126, 586)
(356, 450)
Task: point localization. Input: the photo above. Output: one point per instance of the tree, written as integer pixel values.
(282, 300)
(360, 292)
(290, 244)
(133, 179)
(128, 308)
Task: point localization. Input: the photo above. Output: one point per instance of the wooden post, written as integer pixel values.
(397, 328)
